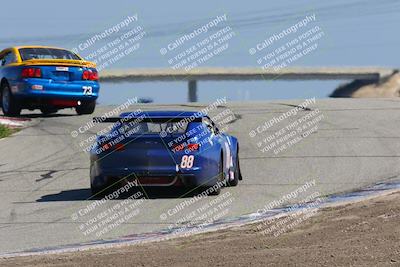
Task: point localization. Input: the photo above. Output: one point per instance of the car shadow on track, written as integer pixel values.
(67, 195)
(147, 193)
(40, 115)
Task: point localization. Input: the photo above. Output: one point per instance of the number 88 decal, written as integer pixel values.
(187, 161)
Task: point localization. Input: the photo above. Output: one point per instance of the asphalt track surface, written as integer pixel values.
(44, 174)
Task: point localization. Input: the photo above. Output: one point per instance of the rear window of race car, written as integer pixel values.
(153, 127)
(46, 53)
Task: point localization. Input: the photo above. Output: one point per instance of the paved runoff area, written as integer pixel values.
(287, 153)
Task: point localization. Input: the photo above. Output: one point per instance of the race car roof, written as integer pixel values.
(164, 114)
(153, 116)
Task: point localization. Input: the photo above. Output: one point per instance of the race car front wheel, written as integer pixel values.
(9, 104)
(86, 107)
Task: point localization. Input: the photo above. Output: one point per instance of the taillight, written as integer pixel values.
(193, 147)
(85, 75)
(95, 76)
(90, 75)
(179, 147)
(189, 147)
(119, 147)
(105, 147)
(31, 73)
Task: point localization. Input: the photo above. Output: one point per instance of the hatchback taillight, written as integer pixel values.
(90, 75)
(31, 73)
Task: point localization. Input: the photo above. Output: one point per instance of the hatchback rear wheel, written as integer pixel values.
(9, 104)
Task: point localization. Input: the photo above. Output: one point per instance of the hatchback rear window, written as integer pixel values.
(46, 53)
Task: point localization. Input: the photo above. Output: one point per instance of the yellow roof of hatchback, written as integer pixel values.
(38, 46)
(34, 46)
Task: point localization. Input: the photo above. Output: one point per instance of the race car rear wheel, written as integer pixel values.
(211, 191)
(86, 107)
(97, 192)
(9, 104)
(236, 174)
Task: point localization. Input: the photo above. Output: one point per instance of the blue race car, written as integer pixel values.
(164, 148)
(46, 78)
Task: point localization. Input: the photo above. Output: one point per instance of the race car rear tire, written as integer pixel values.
(215, 192)
(9, 104)
(86, 107)
(97, 192)
(211, 191)
(236, 174)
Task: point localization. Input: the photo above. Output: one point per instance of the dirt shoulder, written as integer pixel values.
(359, 234)
(386, 87)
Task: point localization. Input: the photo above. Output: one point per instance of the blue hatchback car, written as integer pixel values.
(164, 148)
(46, 78)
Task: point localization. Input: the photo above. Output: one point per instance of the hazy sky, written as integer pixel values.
(357, 33)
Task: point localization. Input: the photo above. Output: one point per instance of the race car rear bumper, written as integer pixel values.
(192, 179)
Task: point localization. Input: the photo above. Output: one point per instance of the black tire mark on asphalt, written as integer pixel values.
(296, 106)
(47, 175)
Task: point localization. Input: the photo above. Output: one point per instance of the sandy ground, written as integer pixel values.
(366, 233)
(387, 87)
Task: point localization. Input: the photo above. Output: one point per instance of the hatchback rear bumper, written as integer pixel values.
(45, 88)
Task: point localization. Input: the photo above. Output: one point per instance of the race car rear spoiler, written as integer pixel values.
(146, 119)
